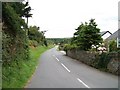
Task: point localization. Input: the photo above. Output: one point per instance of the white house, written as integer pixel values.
(105, 34)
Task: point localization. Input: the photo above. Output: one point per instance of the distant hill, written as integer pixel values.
(58, 40)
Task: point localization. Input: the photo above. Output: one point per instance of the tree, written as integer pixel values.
(87, 35)
(35, 34)
(15, 46)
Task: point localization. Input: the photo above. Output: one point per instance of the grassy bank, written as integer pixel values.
(17, 77)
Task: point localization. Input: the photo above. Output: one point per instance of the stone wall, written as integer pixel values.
(89, 58)
(114, 64)
(83, 56)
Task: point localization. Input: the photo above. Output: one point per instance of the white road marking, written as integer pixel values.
(61, 63)
(69, 71)
(65, 67)
(57, 59)
(83, 83)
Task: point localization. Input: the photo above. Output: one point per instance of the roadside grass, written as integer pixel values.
(18, 75)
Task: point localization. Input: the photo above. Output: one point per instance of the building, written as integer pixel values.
(115, 36)
(105, 34)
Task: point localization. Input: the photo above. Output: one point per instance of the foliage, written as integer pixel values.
(87, 35)
(16, 58)
(45, 43)
(12, 21)
(102, 61)
(113, 46)
(35, 35)
(15, 45)
(69, 47)
(59, 40)
(15, 48)
(17, 77)
(23, 10)
(106, 44)
(33, 43)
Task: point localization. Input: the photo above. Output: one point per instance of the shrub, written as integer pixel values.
(33, 43)
(69, 47)
(102, 60)
(113, 46)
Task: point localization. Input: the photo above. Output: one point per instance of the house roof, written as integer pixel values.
(104, 32)
(114, 35)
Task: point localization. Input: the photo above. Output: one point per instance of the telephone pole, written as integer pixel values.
(27, 21)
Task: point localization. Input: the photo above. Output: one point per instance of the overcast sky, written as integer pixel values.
(62, 17)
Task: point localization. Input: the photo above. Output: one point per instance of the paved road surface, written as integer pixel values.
(55, 70)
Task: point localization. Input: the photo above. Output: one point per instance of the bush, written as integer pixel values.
(113, 46)
(102, 60)
(33, 43)
(17, 75)
(69, 47)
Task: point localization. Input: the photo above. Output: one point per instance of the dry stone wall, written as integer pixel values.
(89, 58)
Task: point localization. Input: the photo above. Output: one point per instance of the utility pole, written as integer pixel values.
(28, 15)
(27, 21)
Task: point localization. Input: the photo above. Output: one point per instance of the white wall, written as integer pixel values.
(106, 36)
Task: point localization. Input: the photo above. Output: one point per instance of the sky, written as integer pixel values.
(61, 17)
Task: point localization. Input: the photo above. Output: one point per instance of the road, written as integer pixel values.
(55, 70)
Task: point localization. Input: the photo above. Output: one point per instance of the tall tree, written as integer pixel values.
(87, 35)
(15, 46)
(35, 34)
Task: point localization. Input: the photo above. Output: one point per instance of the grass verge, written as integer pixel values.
(17, 77)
